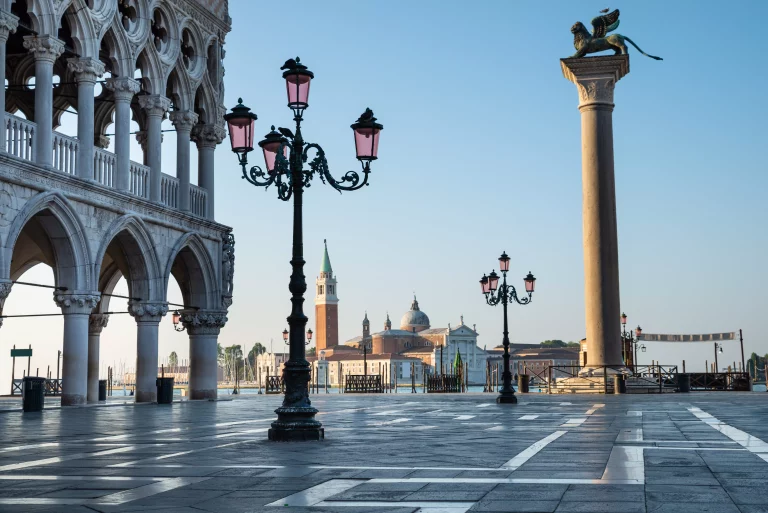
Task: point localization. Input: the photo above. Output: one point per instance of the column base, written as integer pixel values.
(296, 424)
(73, 400)
(507, 398)
(210, 395)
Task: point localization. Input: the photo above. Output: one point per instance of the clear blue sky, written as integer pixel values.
(481, 153)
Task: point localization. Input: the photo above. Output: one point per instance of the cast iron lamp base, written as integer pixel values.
(295, 424)
(508, 398)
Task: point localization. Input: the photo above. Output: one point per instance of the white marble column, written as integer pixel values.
(183, 121)
(148, 316)
(86, 71)
(8, 24)
(203, 328)
(207, 137)
(76, 309)
(123, 89)
(595, 79)
(155, 107)
(46, 50)
(96, 323)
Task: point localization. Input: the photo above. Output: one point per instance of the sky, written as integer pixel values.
(480, 154)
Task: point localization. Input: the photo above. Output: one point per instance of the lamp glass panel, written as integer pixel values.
(297, 87)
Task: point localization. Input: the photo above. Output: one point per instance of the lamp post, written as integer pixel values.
(718, 348)
(638, 334)
(285, 154)
(506, 294)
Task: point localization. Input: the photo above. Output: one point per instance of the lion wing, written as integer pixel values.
(605, 23)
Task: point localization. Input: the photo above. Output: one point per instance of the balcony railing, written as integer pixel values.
(19, 142)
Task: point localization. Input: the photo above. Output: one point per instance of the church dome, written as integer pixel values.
(414, 319)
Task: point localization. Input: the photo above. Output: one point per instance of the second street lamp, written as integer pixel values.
(285, 154)
(506, 294)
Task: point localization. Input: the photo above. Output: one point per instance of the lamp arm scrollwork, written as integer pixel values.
(282, 174)
(319, 165)
(512, 293)
(254, 174)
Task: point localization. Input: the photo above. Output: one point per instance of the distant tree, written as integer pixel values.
(553, 343)
(220, 355)
(173, 359)
(573, 344)
(311, 351)
(233, 361)
(255, 351)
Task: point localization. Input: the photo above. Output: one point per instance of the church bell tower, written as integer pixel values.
(326, 307)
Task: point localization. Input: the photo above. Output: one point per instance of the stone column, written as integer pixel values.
(46, 50)
(123, 90)
(183, 121)
(595, 79)
(86, 71)
(76, 309)
(96, 323)
(148, 316)
(8, 24)
(207, 137)
(155, 107)
(203, 328)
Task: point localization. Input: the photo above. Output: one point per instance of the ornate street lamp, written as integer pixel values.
(285, 154)
(176, 319)
(506, 294)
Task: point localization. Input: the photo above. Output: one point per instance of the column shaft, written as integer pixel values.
(146, 361)
(203, 366)
(93, 367)
(123, 91)
(205, 176)
(85, 129)
(183, 121)
(155, 107)
(8, 24)
(46, 50)
(75, 359)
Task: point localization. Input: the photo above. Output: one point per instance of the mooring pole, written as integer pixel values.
(13, 370)
(741, 340)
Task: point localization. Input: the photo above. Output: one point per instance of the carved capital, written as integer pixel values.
(123, 88)
(5, 288)
(204, 322)
(101, 141)
(154, 104)
(183, 120)
(45, 48)
(146, 311)
(86, 69)
(82, 303)
(595, 78)
(208, 136)
(8, 24)
(96, 323)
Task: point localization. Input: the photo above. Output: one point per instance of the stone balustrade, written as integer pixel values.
(19, 142)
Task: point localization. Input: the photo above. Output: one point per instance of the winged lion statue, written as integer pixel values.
(586, 43)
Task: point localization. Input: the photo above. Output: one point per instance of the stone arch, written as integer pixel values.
(128, 248)
(85, 40)
(195, 40)
(205, 103)
(55, 228)
(152, 75)
(43, 16)
(179, 89)
(115, 52)
(192, 266)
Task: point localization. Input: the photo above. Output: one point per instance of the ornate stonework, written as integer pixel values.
(208, 135)
(595, 78)
(228, 270)
(5, 289)
(123, 88)
(183, 120)
(44, 48)
(145, 311)
(86, 70)
(77, 303)
(8, 24)
(96, 323)
(154, 104)
(204, 322)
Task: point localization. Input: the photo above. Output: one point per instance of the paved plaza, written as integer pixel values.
(699, 452)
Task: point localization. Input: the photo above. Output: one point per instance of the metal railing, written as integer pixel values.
(274, 385)
(363, 384)
(52, 386)
(19, 137)
(735, 381)
(443, 384)
(104, 167)
(169, 190)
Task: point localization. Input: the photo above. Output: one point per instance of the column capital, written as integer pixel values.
(86, 69)
(204, 322)
(8, 24)
(102, 141)
(5, 288)
(154, 104)
(595, 77)
(45, 48)
(208, 136)
(147, 311)
(123, 88)
(183, 120)
(77, 303)
(96, 323)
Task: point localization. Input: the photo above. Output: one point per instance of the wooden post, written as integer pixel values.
(605, 379)
(660, 380)
(58, 361)
(549, 379)
(683, 366)
(29, 360)
(13, 370)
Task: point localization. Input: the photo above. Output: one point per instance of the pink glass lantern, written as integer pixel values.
(367, 132)
(504, 262)
(309, 335)
(638, 332)
(297, 79)
(530, 283)
(285, 335)
(176, 318)
(241, 122)
(493, 281)
(484, 285)
(270, 146)
(624, 318)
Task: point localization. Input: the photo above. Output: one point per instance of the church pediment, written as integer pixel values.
(463, 331)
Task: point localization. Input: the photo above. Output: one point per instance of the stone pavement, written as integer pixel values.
(698, 452)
